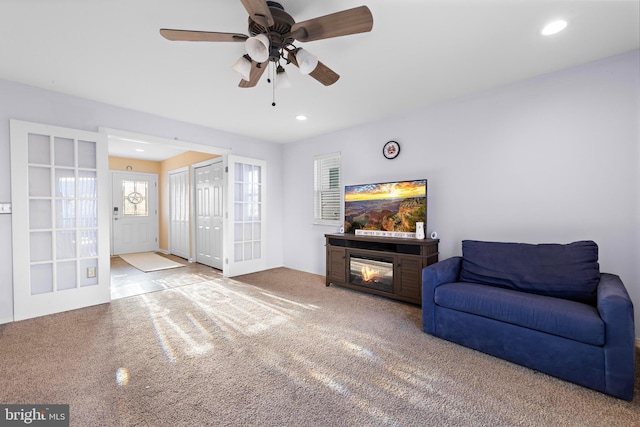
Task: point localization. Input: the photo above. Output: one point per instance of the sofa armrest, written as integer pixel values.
(446, 271)
(616, 311)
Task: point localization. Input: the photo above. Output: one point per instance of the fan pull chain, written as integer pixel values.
(273, 71)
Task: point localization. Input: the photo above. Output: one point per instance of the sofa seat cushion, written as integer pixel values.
(568, 271)
(560, 317)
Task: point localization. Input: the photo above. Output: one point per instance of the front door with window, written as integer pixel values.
(134, 212)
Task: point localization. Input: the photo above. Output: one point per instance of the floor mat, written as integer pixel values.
(149, 261)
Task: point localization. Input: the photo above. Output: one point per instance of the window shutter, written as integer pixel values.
(327, 190)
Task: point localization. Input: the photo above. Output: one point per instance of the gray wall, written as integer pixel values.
(35, 105)
(551, 159)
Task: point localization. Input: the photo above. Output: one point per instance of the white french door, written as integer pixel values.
(60, 225)
(179, 213)
(246, 220)
(134, 212)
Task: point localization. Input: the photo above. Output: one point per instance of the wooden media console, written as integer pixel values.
(387, 266)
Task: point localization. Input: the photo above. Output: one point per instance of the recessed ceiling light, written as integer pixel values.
(139, 150)
(554, 27)
(301, 117)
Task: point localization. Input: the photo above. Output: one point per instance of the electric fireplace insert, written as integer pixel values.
(371, 272)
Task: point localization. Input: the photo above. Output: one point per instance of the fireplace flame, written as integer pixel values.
(368, 273)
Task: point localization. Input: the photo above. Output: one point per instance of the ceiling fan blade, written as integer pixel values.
(259, 11)
(201, 36)
(256, 72)
(351, 21)
(324, 74)
(321, 73)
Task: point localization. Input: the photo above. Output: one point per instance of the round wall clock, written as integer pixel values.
(391, 150)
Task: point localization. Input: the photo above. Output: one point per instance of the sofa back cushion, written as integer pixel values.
(568, 271)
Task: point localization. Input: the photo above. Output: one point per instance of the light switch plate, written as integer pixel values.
(5, 208)
(91, 272)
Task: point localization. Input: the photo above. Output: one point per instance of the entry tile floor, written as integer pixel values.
(127, 280)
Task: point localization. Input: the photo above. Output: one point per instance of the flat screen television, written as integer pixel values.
(390, 208)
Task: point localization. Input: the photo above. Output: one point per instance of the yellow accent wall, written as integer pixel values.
(162, 169)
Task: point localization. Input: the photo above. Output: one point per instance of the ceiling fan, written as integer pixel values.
(273, 32)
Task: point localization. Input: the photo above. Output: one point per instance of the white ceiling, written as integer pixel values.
(420, 52)
(142, 148)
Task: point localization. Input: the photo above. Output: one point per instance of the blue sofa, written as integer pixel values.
(546, 307)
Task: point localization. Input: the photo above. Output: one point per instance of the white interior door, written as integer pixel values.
(209, 213)
(134, 212)
(179, 213)
(60, 197)
(247, 206)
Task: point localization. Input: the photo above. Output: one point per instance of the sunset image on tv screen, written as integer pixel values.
(391, 206)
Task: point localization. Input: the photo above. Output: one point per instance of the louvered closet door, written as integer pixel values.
(60, 223)
(179, 213)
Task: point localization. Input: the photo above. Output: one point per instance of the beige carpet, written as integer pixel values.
(149, 261)
(277, 348)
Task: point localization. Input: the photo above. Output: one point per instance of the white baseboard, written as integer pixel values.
(4, 320)
(164, 251)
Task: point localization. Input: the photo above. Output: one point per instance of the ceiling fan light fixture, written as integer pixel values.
(243, 67)
(258, 47)
(282, 78)
(306, 61)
